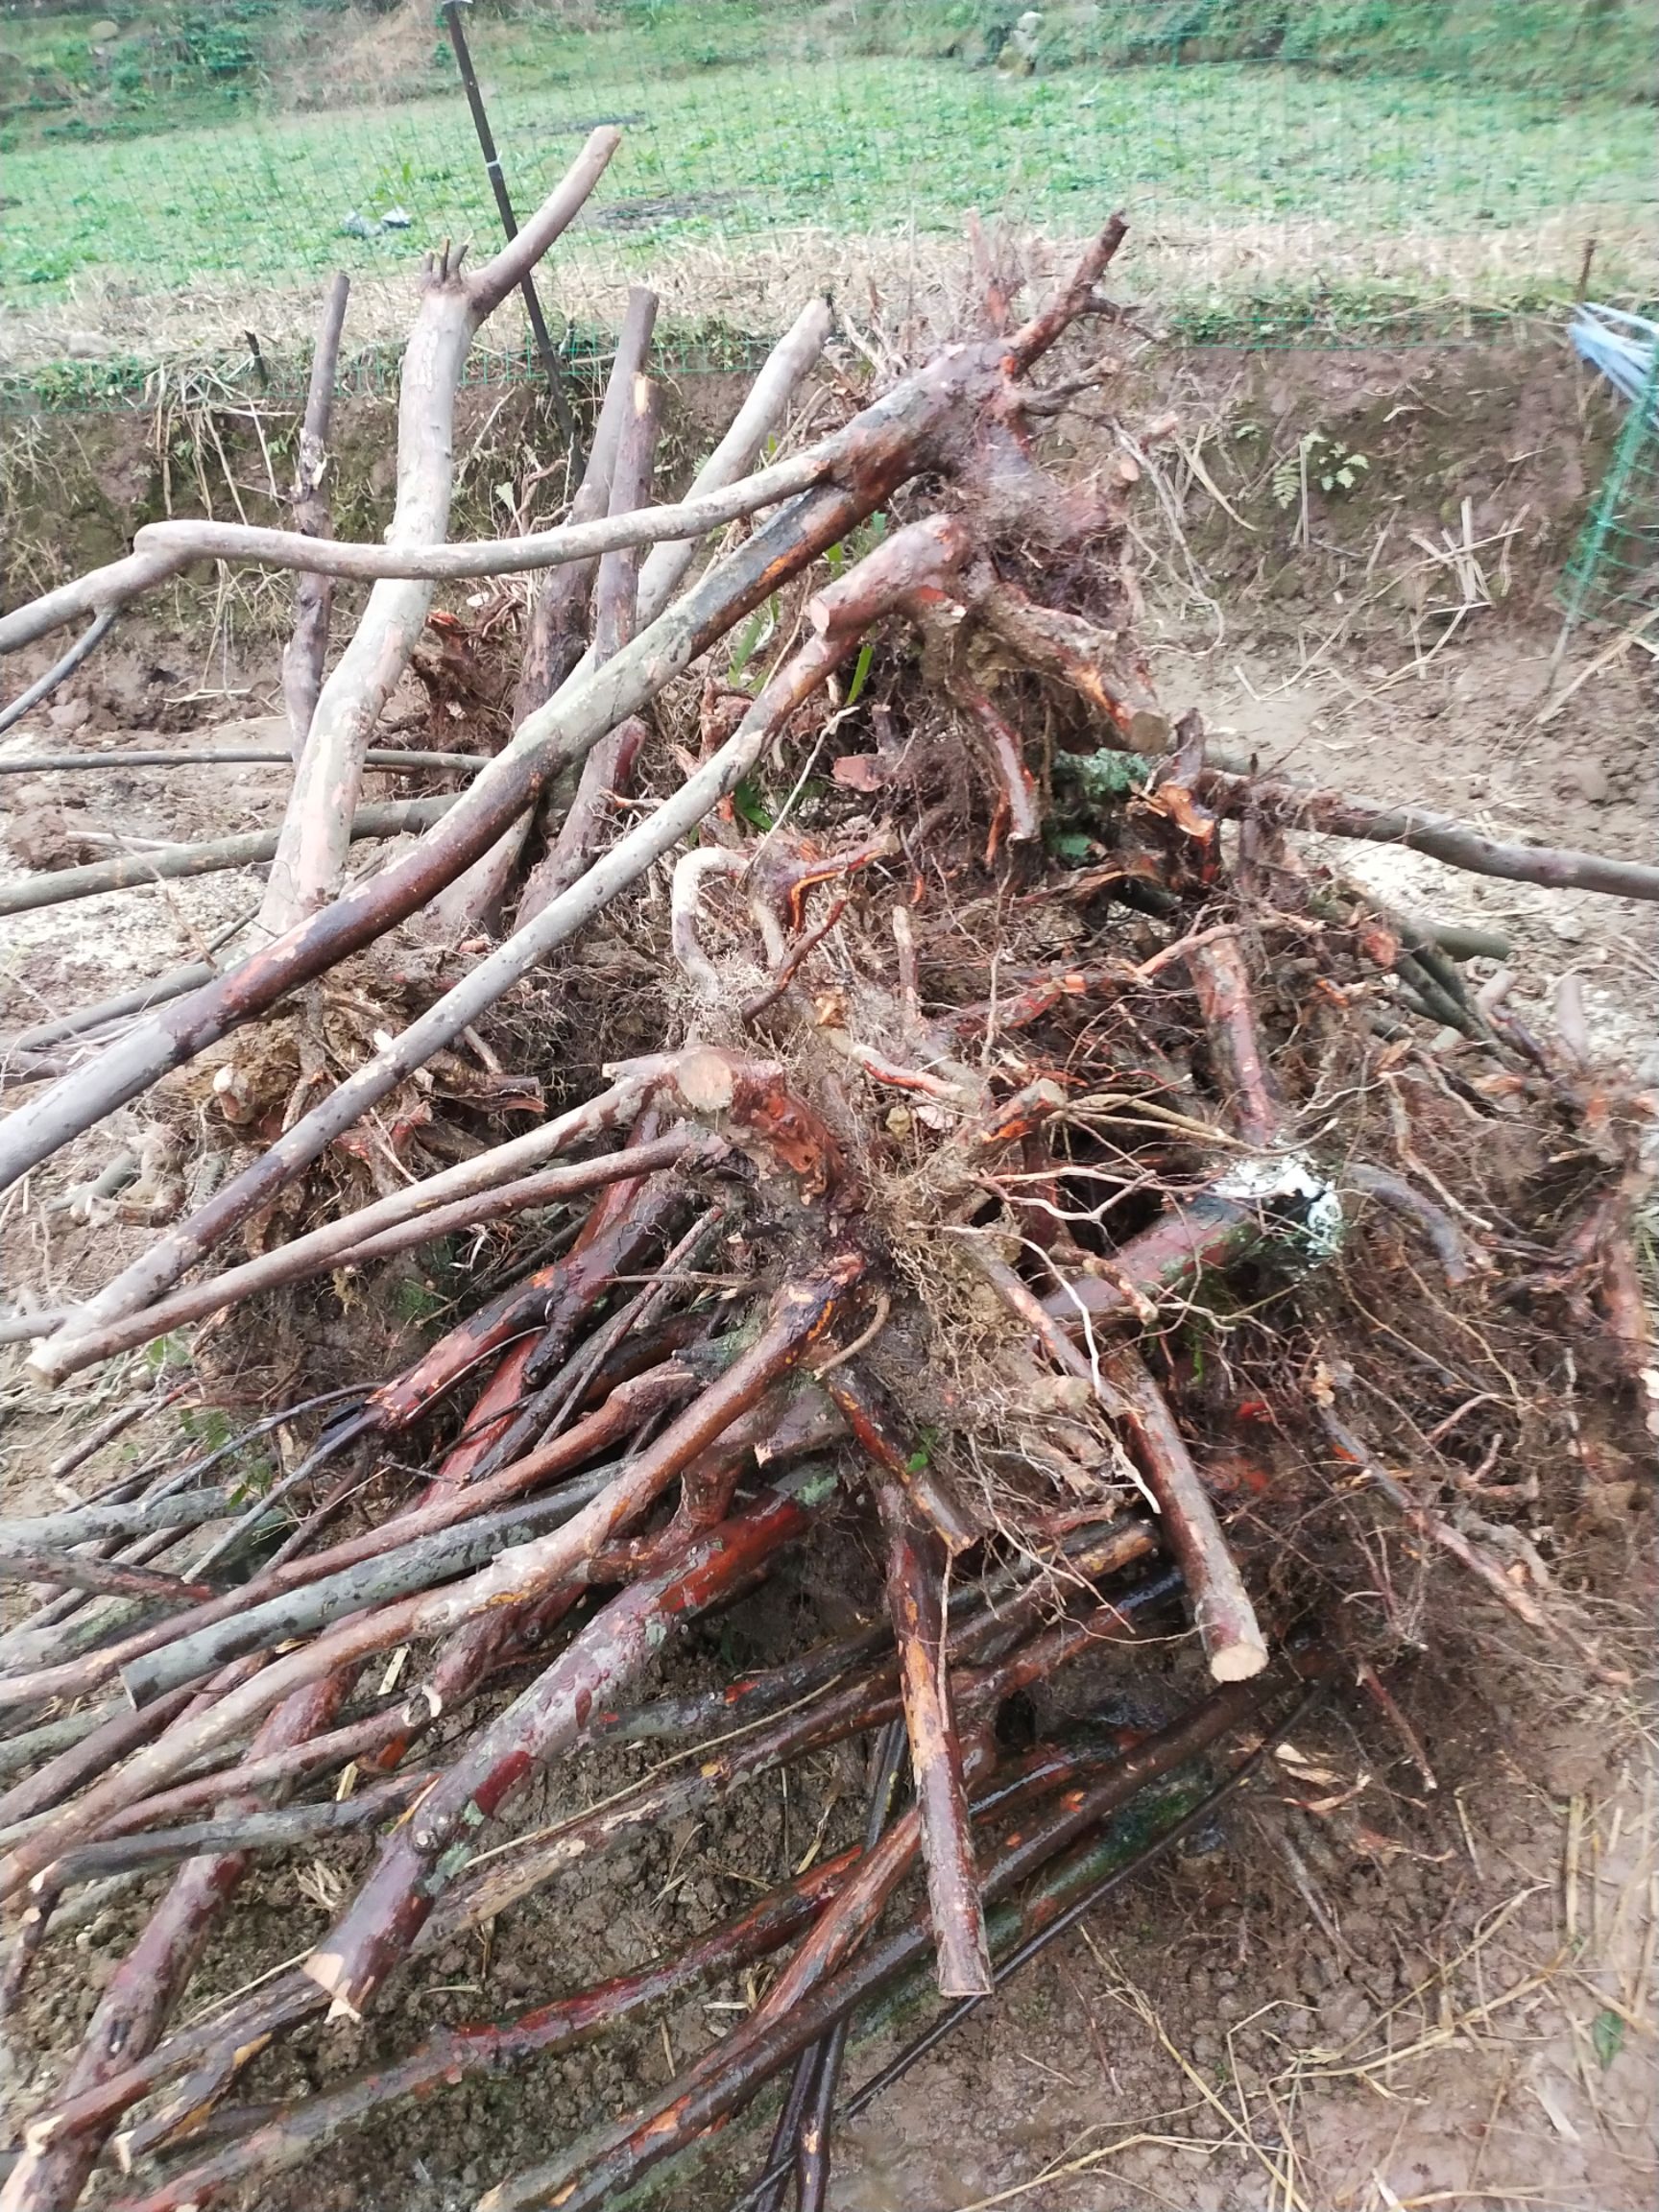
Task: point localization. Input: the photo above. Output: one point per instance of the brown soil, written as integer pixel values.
(1357, 1991)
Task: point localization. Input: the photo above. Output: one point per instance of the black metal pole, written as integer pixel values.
(509, 221)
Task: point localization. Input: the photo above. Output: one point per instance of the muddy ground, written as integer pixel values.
(1379, 1979)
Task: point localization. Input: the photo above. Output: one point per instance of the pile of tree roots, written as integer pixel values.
(978, 1157)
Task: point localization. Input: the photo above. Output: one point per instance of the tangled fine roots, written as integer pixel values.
(981, 1180)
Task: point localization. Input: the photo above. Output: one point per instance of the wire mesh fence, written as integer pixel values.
(1614, 570)
(1393, 178)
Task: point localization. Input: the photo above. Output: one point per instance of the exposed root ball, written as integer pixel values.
(946, 1155)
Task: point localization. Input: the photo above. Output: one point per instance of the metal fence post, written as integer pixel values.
(509, 221)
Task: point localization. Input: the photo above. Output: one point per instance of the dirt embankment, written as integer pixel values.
(1359, 585)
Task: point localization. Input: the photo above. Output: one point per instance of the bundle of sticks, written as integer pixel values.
(1011, 1193)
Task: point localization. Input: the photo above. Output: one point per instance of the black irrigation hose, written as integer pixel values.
(936, 2031)
(810, 2107)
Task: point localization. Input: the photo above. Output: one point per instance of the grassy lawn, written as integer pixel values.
(750, 152)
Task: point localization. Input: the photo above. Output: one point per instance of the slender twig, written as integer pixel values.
(43, 686)
(170, 863)
(239, 1832)
(1458, 843)
(122, 759)
(1221, 1609)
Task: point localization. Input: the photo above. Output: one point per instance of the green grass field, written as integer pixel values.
(97, 69)
(1319, 171)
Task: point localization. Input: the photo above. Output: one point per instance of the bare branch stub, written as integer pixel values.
(1222, 983)
(901, 1456)
(307, 649)
(1221, 1609)
(554, 638)
(915, 1597)
(608, 771)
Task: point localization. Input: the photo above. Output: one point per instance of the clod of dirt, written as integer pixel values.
(47, 836)
(1589, 779)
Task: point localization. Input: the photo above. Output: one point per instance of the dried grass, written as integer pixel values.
(755, 285)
